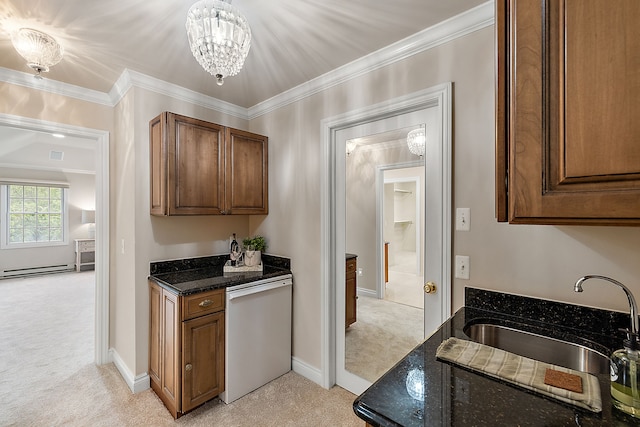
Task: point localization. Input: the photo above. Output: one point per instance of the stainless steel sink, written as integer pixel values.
(538, 347)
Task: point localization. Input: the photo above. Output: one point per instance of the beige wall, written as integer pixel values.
(540, 261)
(164, 238)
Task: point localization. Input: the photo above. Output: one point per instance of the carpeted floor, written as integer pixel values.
(382, 335)
(47, 377)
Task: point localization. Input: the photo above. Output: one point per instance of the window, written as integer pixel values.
(33, 215)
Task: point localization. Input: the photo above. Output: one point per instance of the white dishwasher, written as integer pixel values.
(258, 335)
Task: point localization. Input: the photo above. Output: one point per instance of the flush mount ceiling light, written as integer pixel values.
(39, 49)
(416, 140)
(219, 36)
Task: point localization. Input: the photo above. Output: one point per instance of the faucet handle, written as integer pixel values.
(632, 342)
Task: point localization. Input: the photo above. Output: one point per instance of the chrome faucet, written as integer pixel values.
(632, 302)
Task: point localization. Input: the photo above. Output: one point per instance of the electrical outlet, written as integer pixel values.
(463, 219)
(462, 267)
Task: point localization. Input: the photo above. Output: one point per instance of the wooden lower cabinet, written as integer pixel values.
(351, 291)
(186, 347)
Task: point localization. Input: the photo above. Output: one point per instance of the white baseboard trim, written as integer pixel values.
(309, 372)
(136, 383)
(367, 293)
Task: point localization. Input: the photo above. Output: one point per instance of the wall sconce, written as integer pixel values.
(89, 217)
(416, 141)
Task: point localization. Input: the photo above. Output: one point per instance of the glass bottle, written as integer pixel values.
(625, 367)
(234, 250)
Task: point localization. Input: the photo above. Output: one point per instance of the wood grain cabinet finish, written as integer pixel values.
(202, 168)
(351, 292)
(568, 102)
(186, 347)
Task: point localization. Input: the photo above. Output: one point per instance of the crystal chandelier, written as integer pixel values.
(416, 140)
(219, 36)
(39, 49)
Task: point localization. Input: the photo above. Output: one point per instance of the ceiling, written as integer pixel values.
(293, 41)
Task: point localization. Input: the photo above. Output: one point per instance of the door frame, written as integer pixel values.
(331, 269)
(380, 183)
(101, 140)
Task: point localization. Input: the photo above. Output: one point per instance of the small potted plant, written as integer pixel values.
(254, 246)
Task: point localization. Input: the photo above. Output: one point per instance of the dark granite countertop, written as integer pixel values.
(193, 275)
(455, 396)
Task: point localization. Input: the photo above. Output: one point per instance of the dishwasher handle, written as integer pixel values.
(259, 288)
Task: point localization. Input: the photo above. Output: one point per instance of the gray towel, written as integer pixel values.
(527, 373)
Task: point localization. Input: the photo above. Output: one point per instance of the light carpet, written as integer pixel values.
(383, 333)
(47, 377)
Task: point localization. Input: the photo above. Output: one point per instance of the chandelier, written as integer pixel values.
(219, 36)
(40, 50)
(416, 140)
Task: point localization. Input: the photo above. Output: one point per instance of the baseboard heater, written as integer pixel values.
(30, 271)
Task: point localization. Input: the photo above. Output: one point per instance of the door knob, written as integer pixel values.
(430, 288)
(188, 367)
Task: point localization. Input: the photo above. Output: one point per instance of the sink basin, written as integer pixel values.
(538, 347)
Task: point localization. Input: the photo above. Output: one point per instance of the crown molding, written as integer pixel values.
(460, 25)
(130, 78)
(53, 86)
(47, 168)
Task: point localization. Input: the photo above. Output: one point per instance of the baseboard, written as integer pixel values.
(367, 293)
(309, 372)
(136, 383)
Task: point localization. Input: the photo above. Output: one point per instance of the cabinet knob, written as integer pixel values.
(188, 367)
(430, 288)
(205, 303)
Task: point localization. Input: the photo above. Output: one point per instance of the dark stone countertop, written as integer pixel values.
(455, 396)
(193, 275)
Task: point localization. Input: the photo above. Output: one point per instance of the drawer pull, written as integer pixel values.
(188, 367)
(205, 303)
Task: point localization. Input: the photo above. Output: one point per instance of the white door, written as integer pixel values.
(437, 207)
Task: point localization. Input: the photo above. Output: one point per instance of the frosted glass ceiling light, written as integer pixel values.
(416, 140)
(219, 36)
(39, 49)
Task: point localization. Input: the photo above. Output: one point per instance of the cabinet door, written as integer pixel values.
(247, 183)
(203, 359)
(195, 166)
(568, 99)
(158, 165)
(170, 351)
(155, 332)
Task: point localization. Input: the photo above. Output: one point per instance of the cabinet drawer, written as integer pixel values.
(351, 265)
(202, 303)
(86, 246)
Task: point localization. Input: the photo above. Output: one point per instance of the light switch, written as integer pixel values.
(463, 219)
(462, 267)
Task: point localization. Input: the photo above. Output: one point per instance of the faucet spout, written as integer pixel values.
(632, 301)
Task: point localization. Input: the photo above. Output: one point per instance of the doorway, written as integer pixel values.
(405, 112)
(100, 139)
(402, 232)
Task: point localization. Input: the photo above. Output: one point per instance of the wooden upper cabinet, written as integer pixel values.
(568, 102)
(201, 168)
(247, 185)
